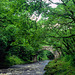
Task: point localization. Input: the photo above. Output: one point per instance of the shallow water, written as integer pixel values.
(27, 69)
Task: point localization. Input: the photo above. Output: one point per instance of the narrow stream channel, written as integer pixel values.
(27, 69)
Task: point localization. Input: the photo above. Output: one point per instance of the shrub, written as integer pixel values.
(61, 66)
(13, 60)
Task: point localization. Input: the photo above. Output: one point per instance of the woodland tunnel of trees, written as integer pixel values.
(23, 32)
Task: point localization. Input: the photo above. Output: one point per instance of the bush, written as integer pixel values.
(61, 66)
(13, 60)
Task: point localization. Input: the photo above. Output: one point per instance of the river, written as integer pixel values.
(27, 69)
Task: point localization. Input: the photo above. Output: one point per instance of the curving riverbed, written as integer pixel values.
(27, 69)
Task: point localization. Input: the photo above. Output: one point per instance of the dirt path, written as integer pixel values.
(27, 69)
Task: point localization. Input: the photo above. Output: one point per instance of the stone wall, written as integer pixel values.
(50, 48)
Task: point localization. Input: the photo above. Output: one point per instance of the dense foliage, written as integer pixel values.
(22, 37)
(60, 66)
(61, 32)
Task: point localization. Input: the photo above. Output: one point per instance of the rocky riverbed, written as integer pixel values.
(27, 69)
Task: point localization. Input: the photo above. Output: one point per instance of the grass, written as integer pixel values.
(61, 66)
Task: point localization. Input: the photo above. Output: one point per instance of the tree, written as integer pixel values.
(60, 25)
(18, 33)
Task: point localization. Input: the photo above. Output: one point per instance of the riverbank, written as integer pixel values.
(60, 67)
(27, 69)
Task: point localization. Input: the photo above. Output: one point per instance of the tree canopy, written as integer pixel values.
(24, 37)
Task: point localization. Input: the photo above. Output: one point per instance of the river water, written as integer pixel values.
(27, 69)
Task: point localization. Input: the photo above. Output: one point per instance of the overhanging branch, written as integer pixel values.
(63, 36)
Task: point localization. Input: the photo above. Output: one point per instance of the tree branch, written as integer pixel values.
(64, 36)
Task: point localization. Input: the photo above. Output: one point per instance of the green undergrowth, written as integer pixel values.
(12, 60)
(63, 66)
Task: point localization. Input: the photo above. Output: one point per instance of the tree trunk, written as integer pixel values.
(35, 58)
